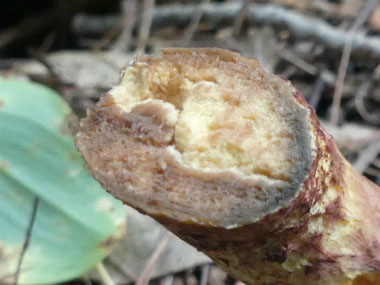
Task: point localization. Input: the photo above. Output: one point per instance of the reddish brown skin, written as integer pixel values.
(266, 245)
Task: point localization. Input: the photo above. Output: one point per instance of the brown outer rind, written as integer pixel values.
(327, 235)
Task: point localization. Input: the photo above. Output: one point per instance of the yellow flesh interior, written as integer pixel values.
(222, 123)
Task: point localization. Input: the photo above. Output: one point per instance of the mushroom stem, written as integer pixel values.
(235, 162)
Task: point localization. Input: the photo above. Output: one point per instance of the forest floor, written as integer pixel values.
(330, 50)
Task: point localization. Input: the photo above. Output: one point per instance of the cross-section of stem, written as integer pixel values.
(234, 161)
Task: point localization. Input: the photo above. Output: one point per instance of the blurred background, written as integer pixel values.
(73, 50)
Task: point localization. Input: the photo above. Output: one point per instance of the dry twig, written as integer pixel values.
(366, 156)
(147, 272)
(348, 46)
(205, 274)
(359, 102)
(239, 20)
(297, 61)
(129, 8)
(147, 18)
(191, 29)
(104, 275)
(300, 25)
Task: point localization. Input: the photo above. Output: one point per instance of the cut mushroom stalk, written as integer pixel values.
(234, 161)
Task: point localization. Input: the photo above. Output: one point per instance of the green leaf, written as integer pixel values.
(76, 221)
